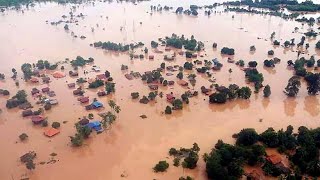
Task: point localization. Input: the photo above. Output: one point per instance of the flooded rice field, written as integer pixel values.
(132, 146)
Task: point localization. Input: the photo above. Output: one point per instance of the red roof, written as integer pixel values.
(101, 76)
(34, 80)
(46, 89)
(37, 119)
(83, 99)
(274, 159)
(51, 132)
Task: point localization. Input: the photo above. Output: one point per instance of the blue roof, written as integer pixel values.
(97, 104)
(94, 124)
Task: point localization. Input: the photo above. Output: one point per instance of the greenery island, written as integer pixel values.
(227, 161)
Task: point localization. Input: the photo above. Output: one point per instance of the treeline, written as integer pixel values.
(275, 5)
(111, 46)
(8, 3)
(180, 41)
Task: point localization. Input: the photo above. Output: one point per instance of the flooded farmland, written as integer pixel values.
(133, 145)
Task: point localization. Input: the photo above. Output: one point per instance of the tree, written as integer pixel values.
(318, 45)
(154, 44)
(112, 104)
(271, 53)
(146, 50)
(227, 51)
(188, 65)
(247, 137)
(272, 35)
(267, 91)
(180, 75)
(110, 87)
(252, 64)
(55, 125)
(244, 92)
(252, 48)
(313, 81)
(293, 86)
(191, 160)
(161, 166)
(135, 95)
(76, 140)
(152, 95)
(177, 104)
(218, 97)
(107, 74)
(163, 65)
(168, 110)
(270, 138)
(23, 136)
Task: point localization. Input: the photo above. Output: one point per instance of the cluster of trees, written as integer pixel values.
(271, 62)
(154, 44)
(255, 77)
(44, 64)
(80, 61)
(95, 84)
(111, 46)
(16, 100)
(26, 68)
(4, 92)
(110, 87)
(162, 166)
(153, 76)
(232, 92)
(227, 51)
(271, 13)
(83, 132)
(292, 5)
(189, 156)
(28, 158)
(189, 44)
(227, 160)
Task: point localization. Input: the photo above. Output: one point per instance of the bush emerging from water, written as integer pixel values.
(162, 166)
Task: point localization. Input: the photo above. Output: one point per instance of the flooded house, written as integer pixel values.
(37, 119)
(71, 85)
(83, 99)
(182, 82)
(45, 90)
(26, 113)
(153, 87)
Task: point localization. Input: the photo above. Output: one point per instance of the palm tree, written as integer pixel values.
(117, 109)
(112, 104)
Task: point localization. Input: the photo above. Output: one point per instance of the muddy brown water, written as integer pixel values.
(134, 145)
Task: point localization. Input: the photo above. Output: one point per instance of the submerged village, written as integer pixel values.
(162, 89)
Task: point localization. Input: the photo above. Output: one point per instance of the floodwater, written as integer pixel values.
(134, 145)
